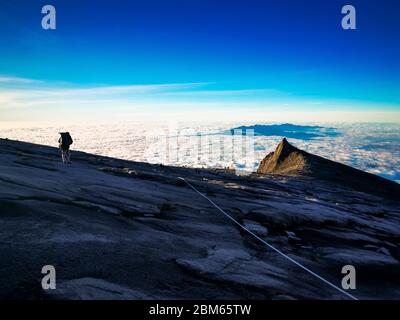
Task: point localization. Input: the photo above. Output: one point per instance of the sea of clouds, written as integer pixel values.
(370, 147)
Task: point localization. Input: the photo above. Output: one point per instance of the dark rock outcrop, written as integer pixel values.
(286, 159)
(289, 160)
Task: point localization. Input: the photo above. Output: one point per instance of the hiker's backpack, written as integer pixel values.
(65, 140)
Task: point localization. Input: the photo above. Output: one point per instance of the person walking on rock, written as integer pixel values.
(65, 142)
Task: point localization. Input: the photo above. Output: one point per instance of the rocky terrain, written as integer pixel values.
(117, 229)
(289, 160)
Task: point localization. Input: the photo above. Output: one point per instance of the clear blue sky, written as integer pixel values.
(214, 54)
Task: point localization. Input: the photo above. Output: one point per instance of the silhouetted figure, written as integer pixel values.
(64, 143)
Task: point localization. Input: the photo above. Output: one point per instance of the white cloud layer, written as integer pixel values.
(370, 147)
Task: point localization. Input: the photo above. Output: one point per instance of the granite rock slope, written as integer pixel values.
(117, 229)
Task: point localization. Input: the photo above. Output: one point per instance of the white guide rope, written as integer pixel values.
(269, 245)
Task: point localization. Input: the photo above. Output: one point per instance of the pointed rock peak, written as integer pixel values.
(284, 143)
(285, 159)
(284, 148)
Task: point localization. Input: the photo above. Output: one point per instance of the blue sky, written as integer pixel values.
(156, 57)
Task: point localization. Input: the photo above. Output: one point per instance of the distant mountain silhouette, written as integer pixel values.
(287, 130)
(289, 160)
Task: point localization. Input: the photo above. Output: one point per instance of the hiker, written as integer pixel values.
(64, 143)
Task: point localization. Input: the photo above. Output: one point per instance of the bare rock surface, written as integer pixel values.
(289, 160)
(116, 229)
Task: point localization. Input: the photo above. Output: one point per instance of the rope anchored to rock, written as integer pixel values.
(269, 245)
